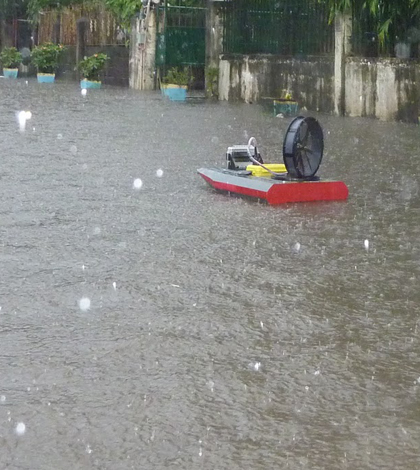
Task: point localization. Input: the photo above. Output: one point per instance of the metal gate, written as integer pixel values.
(181, 38)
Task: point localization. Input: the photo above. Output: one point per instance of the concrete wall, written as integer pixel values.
(249, 78)
(387, 89)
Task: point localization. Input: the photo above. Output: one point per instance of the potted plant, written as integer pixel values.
(175, 84)
(46, 58)
(91, 69)
(10, 58)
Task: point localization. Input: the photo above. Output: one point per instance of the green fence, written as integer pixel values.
(285, 27)
(181, 38)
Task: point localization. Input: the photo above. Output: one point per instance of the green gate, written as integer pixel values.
(181, 37)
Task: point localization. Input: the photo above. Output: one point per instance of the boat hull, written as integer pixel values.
(274, 191)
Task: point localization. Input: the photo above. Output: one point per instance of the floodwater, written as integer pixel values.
(148, 322)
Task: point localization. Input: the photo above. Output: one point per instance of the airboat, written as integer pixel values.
(295, 180)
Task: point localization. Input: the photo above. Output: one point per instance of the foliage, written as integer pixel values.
(177, 76)
(124, 10)
(35, 7)
(10, 57)
(46, 57)
(388, 15)
(91, 67)
(212, 81)
(10, 9)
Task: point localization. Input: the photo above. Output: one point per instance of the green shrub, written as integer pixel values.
(177, 76)
(212, 82)
(10, 58)
(91, 67)
(46, 57)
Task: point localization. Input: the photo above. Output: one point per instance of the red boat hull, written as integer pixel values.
(274, 191)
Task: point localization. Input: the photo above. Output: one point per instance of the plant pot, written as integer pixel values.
(174, 92)
(90, 84)
(10, 73)
(45, 77)
(285, 107)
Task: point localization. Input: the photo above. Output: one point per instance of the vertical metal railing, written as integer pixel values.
(286, 27)
(181, 39)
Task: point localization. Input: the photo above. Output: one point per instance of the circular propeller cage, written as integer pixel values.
(303, 147)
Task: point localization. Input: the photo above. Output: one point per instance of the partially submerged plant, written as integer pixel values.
(91, 67)
(46, 57)
(177, 76)
(212, 82)
(10, 58)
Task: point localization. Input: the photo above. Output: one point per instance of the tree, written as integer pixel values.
(12, 9)
(390, 15)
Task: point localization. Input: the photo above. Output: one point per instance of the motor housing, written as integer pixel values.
(237, 157)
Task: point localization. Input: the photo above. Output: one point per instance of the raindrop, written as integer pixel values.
(257, 366)
(20, 429)
(28, 115)
(21, 117)
(88, 449)
(200, 453)
(214, 140)
(317, 372)
(262, 324)
(97, 230)
(159, 173)
(138, 183)
(3, 398)
(73, 149)
(84, 92)
(59, 136)
(84, 304)
(26, 83)
(366, 244)
(114, 285)
(296, 247)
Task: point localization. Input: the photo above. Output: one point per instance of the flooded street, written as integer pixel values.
(148, 322)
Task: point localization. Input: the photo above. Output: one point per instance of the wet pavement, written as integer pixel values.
(148, 322)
